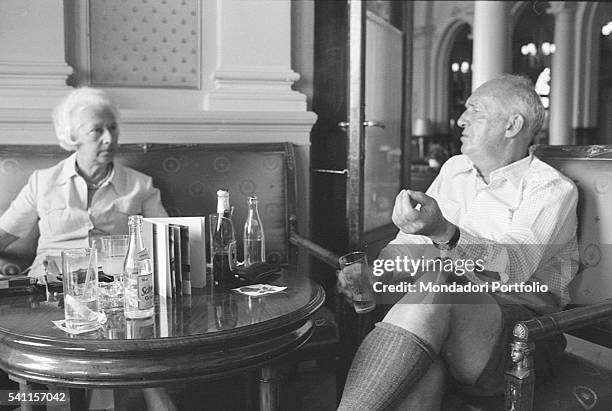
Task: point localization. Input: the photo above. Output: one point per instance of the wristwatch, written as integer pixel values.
(450, 244)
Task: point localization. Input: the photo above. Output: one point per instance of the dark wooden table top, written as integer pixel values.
(211, 333)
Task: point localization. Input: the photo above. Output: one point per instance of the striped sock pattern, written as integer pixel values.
(388, 362)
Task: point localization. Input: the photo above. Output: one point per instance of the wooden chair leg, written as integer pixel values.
(26, 387)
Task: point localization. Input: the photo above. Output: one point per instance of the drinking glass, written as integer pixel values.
(112, 250)
(354, 267)
(80, 277)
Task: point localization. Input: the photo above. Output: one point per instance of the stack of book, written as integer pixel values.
(178, 248)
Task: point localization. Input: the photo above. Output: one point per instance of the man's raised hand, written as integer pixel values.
(425, 220)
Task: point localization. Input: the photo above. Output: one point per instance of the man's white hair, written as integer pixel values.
(77, 100)
(518, 95)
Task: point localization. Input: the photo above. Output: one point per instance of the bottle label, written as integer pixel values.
(142, 255)
(145, 291)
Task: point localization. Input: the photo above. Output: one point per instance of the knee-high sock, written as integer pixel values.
(388, 362)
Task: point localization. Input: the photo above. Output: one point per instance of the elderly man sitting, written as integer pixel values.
(495, 204)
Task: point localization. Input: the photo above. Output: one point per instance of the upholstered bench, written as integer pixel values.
(188, 177)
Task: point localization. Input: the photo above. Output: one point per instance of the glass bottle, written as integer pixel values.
(222, 241)
(253, 239)
(140, 328)
(137, 274)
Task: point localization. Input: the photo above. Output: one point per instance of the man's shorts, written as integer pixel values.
(547, 353)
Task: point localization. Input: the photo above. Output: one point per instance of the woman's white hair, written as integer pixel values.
(77, 100)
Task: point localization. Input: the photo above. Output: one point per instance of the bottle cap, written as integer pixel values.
(133, 219)
(222, 201)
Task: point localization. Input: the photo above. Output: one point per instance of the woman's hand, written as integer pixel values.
(6, 239)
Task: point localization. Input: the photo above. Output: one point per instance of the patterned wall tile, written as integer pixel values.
(145, 43)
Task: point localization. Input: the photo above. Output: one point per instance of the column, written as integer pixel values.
(249, 66)
(491, 40)
(33, 69)
(562, 74)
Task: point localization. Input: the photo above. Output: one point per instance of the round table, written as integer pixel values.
(212, 333)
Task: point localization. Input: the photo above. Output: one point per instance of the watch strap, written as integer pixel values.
(450, 244)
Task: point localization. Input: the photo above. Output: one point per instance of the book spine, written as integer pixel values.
(17, 282)
(17, 290)
(185, 261)
(177, 258)
(171, 255)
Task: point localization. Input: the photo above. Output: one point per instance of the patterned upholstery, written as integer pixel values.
(188, 177)
(590, 167)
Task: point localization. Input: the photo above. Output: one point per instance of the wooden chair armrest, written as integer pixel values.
(314, 249)
(323, 254)
(549, 324)
(521, 377)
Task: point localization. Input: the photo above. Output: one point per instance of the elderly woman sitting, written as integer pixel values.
(85, 195)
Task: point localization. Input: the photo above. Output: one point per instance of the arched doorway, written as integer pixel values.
(532, 49)
(459, 82)
(434, 141)
(592, 94)
(533, 41)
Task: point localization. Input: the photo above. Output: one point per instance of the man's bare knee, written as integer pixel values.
(428, 321)
(473, 333)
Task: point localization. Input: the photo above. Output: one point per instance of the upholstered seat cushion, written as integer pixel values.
(580, 385)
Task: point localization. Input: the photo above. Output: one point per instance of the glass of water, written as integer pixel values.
(80, 277)
(355, 272)
(112, 250)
